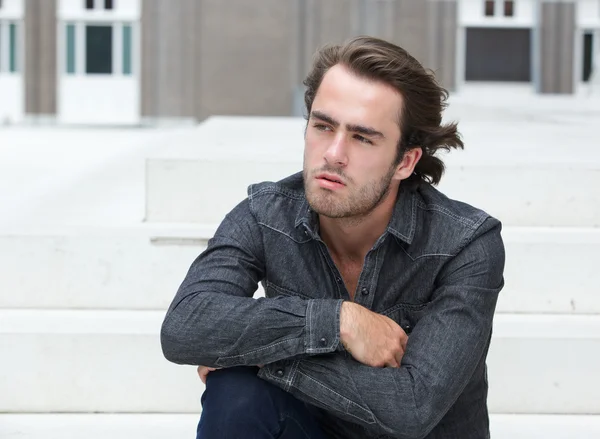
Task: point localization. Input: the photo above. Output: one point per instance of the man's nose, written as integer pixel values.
(337, 154)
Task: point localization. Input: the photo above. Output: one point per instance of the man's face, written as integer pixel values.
(350, 145)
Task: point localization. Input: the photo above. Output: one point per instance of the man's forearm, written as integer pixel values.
(219, 330)
(443, 351)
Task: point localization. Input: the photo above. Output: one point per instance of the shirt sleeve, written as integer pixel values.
(442, 353)
(214, 320)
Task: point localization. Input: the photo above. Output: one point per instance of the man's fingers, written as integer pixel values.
(393, 362)
(399, 356)
(403, 342)
(203, 372)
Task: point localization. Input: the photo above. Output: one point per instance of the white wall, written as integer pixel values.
(588, 14)
(11, 84)
(471, 14)
(11, 98)
(99, 100)
(123, 10)
(12, 9)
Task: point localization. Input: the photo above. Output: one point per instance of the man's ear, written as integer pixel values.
(407, 166)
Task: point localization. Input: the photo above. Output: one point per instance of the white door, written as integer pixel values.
(11, 62)
(98, 62)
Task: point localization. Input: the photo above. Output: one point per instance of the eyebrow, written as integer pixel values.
(368, 131)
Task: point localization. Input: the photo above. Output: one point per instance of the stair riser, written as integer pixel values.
(518, 196)
(116, 365)
(158, 426)
(545, 272)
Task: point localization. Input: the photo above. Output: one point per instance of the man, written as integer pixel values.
(380, 291)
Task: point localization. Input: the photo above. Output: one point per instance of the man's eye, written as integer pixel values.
(362, 139)
(321, 127)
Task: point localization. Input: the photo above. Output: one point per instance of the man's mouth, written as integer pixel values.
(330, 177)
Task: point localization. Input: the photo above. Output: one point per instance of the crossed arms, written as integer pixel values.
(214, 321)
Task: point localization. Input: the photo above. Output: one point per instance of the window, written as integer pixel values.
(70, 55)
(0, 4)
(127, 49)
(90, 4)
(588, 54)
(9, 47)
(509, 8)
(98, 49)
(12, 44)
(489, 8)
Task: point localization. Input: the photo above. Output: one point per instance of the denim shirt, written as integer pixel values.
(436, 270)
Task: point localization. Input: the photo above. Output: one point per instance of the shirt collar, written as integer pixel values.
(402, 225)
(404, 219)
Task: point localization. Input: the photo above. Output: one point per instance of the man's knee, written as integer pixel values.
(236, 399)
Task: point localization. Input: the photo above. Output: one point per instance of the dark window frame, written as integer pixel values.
(489, 8)
(88, 4)
(509, 8)
(588, 55)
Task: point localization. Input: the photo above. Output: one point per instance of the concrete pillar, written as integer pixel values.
(40, 57)
(555, 47)
(170, 58)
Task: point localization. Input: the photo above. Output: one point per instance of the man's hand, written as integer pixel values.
(371, 338)
(203, 372)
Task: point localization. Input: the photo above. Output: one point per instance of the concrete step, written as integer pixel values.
(96, 268)
(528, 195)
(98, 426)
(110, 361)
(159, 426)
(551, 270)
(517, 170)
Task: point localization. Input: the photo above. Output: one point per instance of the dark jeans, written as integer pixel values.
(238, 404)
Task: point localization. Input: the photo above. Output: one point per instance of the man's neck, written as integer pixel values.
(350, 239)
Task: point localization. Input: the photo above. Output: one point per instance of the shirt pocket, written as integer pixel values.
(407, 315)
(272, 290)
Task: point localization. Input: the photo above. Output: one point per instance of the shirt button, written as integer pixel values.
(338, 280)
(365, 292)
(280, 373)
(407, 328)
(323, 341)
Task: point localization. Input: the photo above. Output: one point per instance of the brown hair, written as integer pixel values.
(424, 99)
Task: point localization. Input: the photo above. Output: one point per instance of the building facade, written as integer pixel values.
(131, 62)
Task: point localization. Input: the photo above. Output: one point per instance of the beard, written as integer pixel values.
(356, 203)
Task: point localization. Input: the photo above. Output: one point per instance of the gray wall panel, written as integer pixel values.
(335, 22)
(427, 29)
(40, 57)
(411, 28)
(556, 47)
(149, 56)
(321, 23)
(169, 54)
(247, 57)
(204, 57)
(442, 30)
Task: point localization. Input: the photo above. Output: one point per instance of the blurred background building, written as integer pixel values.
(129, 128)
(130, 62)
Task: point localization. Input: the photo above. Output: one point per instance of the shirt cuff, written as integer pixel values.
(322, 326)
